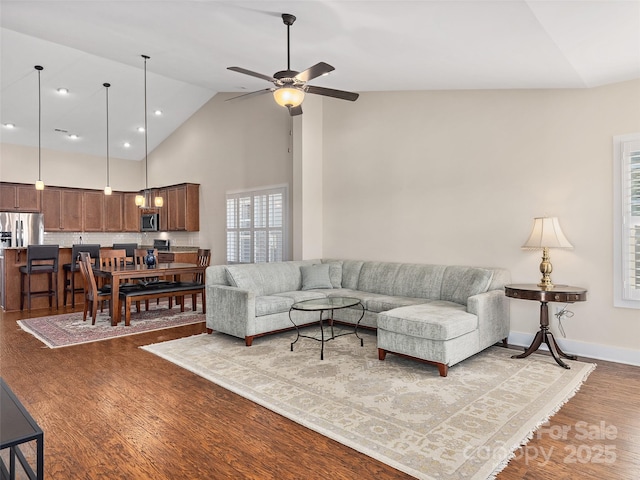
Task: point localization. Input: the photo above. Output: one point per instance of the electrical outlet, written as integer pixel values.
(558, 310)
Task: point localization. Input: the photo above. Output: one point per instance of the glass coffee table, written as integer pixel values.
(322, 305)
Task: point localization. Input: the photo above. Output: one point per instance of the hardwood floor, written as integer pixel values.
(113, 411)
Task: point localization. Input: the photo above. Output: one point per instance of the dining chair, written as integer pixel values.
(70, 269)
(204, 259)
(41, 259)
(92, 294)
(130, 248)
(110, 257)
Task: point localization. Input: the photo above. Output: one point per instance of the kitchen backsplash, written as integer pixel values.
(66, 239)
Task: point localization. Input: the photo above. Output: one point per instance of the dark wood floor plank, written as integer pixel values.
(112, 410)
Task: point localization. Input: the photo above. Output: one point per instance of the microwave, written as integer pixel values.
(149, 222)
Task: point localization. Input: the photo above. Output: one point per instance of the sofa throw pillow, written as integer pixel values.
(335, 273)
(315, 276)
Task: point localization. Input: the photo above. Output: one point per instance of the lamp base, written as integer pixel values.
(545, 268)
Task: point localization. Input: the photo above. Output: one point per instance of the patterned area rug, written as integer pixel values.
(398, 411)
(68, 329)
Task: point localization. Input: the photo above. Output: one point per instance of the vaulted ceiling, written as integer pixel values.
(374, 46)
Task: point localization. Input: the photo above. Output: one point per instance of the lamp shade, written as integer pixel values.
(546, 233)
(288, 96)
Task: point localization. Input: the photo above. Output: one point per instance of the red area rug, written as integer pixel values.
(68, 329)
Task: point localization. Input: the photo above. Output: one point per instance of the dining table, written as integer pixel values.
(118, 273)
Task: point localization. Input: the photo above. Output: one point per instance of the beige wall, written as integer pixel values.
(65, 169)
(226, 146)
(456, 177)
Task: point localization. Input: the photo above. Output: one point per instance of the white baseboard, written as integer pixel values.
(582, 349)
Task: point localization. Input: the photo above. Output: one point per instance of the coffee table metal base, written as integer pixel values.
(321, 309)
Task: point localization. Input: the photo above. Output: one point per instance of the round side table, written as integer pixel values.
(557, 293)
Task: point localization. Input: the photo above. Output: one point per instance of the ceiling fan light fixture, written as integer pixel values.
(288, 96)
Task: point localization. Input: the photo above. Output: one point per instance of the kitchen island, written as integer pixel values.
(15, 257)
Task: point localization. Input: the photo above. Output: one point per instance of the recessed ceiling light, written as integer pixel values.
(158, 112)
(73, 136)
(141, 129)
(63, 91)
(126, 145)
(9, 125)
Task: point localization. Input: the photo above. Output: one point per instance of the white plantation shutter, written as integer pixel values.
(627, 189)
(256, 226)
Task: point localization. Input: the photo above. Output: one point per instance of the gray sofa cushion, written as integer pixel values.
(267, 278)
(270, 304)
(460, 283)
(401, 279)
(315, 276)
(434, 320)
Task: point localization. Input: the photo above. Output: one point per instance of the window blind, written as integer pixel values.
(631, 219)
(256, 226)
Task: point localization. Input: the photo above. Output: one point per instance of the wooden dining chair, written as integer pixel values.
(204, 259)
(92, 294)
(110, 257)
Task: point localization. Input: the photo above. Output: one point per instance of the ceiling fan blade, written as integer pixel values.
(250, 94)
(253, 74)
(293, 111)
(313, 72)
(330, 92)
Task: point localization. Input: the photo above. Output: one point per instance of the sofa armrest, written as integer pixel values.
(230, 310)
(492, 310)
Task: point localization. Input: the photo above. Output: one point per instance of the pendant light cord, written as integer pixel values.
(147, 197)
(106, 86)
(39, 69)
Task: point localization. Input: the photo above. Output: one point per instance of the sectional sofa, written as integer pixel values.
(436, 313)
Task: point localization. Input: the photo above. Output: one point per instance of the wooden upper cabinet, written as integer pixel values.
(93, 213)
(183, 207)
(19, 198)
(72, 210)
(52, 208)
(62, 209)
(131, 213)
(113, 212)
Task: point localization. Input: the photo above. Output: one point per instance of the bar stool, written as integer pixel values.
(70, 269)
(41, 259)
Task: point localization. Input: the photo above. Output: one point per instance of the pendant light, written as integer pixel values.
(107, 188)
(39, 182)
(145, 200)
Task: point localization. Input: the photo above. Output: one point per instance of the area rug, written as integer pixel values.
(68, 329)
(398, 411)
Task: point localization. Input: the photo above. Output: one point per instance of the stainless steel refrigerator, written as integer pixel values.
(21, 229)
(18, 230)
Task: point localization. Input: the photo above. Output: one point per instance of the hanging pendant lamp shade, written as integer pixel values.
(39, 182)
(107, 188)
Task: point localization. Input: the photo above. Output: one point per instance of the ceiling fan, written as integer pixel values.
(290, 86)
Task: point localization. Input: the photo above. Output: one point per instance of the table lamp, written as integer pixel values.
(546, 234)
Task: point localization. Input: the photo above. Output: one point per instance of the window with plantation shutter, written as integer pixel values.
(256, 225)
(627, 221)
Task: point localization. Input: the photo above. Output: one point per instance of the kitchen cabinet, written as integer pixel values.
(162, 211)
(62, 209)
(113, 212)
(183, 207)
(19, 198)
(93, 212)
(131, 212)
